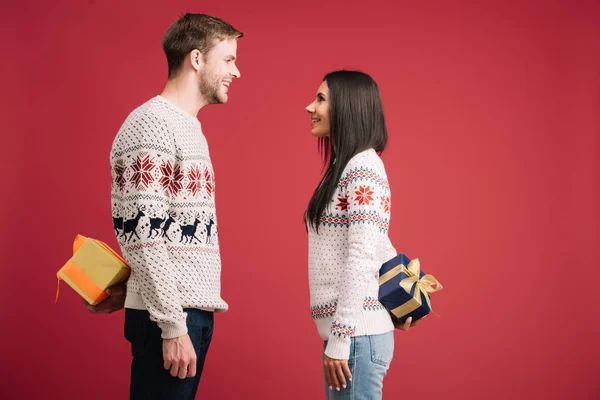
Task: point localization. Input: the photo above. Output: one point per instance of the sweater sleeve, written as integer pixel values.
(141, 173)
(368, 213)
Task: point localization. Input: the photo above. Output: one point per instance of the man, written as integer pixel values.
(164, 211)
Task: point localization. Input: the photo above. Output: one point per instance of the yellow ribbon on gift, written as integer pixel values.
(425, 285)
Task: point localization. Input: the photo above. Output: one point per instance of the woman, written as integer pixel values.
(347, 221)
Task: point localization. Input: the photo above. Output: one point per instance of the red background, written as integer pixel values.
(493, 160)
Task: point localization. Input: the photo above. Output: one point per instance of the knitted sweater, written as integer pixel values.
(346, 254)
(163, 206)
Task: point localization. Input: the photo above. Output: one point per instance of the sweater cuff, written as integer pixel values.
(338, 347)
(171, 330)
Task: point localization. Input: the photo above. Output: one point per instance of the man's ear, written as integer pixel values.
(196, 60)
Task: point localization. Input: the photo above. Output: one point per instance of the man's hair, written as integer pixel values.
(194, 31)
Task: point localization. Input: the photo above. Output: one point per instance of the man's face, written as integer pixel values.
(218, 71)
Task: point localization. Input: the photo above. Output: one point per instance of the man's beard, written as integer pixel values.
(210, 86)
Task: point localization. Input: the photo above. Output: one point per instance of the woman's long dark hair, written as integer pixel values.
(357, 123)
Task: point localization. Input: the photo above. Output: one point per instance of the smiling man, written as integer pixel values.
(164, 213)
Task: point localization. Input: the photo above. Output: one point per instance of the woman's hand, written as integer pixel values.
(403, 326)
(336, 372)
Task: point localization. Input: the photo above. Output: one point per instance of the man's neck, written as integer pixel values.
(184, 93)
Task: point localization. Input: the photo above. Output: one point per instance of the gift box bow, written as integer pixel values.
(425, 284)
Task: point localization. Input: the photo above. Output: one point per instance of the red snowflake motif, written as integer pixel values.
(171, 178)
(343, 203)
(385, 203)
(364, 195)
(142, 171)
(195, 183)
(119, 171)
(210, 183)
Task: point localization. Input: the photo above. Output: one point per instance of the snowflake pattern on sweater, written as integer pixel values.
(163, 205)
(347, 253)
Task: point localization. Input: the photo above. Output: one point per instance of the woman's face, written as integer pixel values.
(319, 112)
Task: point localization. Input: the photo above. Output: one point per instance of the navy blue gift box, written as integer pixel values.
(404, 289)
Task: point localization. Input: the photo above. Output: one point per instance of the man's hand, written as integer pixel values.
(336, 372)
(114, 302)
(404, 326)
(179, 356)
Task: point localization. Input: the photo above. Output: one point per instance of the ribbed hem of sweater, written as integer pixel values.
(369, 323)
(169, 330)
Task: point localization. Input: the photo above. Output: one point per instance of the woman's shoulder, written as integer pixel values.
(366, 160)
(365, 167)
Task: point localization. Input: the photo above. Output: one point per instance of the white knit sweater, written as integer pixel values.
(346, 255)
(163, 204)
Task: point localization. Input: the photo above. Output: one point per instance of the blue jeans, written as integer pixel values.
(370, 358)
(149, 378)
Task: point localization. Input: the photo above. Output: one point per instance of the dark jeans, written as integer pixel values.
(149, 378)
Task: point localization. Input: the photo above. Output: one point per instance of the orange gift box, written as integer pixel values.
(93, 268)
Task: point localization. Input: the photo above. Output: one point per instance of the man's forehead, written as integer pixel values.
(226, 47)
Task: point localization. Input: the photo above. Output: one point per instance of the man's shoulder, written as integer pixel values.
(145, 125)
(146, 114)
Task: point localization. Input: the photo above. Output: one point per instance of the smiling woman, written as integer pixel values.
(319, 111)
(345, 255)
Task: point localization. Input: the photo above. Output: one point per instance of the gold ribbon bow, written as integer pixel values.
(425, 285)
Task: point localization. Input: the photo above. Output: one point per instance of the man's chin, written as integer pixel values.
(218, 100)
(221, 98)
